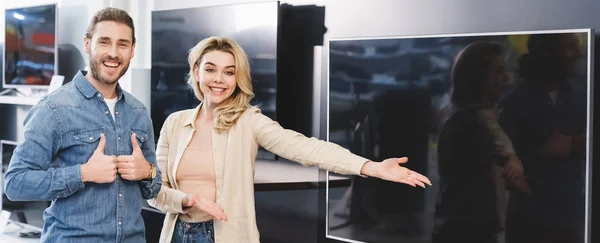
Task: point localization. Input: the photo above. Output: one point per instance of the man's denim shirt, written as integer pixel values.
(61, 133)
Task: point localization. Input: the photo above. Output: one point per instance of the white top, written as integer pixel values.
(111, 105)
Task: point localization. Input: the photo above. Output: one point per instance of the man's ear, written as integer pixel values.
(132, 50)
(86, 45)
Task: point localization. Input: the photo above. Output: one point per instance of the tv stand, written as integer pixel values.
(30, 93)
(5, 92)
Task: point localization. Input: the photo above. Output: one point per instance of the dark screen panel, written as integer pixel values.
(467, 111)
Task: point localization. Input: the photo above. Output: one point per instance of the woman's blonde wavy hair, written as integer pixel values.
(230, 111)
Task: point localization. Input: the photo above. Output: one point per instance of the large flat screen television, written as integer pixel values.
(30, 47)
(176, 31)
(500, 122)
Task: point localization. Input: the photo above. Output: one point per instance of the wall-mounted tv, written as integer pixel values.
(500, 122)
(30, 46)
(175, 32)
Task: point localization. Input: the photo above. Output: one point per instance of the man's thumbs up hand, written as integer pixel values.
(133, 167)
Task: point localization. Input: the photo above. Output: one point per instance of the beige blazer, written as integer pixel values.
(234, 155)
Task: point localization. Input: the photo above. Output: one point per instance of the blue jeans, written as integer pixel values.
(202, 232)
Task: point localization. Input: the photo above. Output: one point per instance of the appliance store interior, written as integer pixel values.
(380, 78)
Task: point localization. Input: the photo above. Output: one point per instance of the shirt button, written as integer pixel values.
(91, 138)
(106, 112)
(120, 195)
(119, 222)
(119, 138)
(99, 95)
(116, 113)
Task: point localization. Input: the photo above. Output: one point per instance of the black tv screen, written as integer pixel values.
(30, 46)
(500, 123)
(175, 32)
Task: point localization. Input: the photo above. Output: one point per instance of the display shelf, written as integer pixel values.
(21, 97)
(16, 100)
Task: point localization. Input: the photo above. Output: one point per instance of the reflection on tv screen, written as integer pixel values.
(30, 46)
(491, 119)
(175, 32)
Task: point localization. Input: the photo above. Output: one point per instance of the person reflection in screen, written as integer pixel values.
(207, 153)
(473, 151)
(15, 69)
(545, 117)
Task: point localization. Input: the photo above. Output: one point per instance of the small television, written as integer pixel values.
(176, 31)
(30, 47)
(447, 102)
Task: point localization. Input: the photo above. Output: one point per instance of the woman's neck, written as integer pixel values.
(207, 113)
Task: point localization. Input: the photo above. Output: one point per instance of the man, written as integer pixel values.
(545, 117)
(89, 147)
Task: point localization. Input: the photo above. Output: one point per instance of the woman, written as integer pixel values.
(207, 154)
(472, 149)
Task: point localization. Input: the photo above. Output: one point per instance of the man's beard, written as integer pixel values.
(95, 66)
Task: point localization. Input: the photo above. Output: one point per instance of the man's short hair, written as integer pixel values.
(111, 14)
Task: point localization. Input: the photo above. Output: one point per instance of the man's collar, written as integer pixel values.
(87, 89)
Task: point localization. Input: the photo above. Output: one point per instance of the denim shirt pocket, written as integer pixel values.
(140, 134)
(84, 142)
(88, 135)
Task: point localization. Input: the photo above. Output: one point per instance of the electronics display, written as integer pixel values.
(30, 46)
(391, 97)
